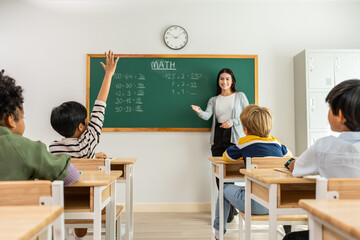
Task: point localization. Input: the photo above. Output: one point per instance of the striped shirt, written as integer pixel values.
(84, 146)
(255, 146)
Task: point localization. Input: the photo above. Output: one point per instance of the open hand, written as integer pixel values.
(197, 109)
(110, 63)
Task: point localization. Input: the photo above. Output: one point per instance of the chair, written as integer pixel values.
(84, 164)
(269, 163)
(41, 192)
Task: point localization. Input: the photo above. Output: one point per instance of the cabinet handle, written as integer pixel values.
(337, 63)
(311, 63)
(312, 102)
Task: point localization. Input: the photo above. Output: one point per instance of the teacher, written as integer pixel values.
(226, 106)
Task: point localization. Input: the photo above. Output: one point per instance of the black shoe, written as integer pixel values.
(231, 214)
(287, 228)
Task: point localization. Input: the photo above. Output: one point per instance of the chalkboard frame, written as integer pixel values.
(105, 129)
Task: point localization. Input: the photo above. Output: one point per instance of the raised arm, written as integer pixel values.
(109, 72)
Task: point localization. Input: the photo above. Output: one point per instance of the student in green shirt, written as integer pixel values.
(21, 158)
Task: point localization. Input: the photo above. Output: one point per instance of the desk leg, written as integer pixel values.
(112, 215)
(59, 229)
(45, 234)
(97, 213)
(131, 168)
(315, 229)
(248, 208)
(129, 202)
(272, 211)
(213, 196)
(221, 201)
(107, 222)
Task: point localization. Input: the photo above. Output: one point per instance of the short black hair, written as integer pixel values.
(346, 97)
(11, 97)
(67, 117)
(233, 85)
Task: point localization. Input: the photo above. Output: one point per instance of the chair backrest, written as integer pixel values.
(87, 164)
(42, 192)
(266, 162)
(338, 188)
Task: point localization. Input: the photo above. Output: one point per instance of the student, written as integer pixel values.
(81, 137)
(334, 157)
(69, 120)
(226, 107)
(21, 158)
(257, 124)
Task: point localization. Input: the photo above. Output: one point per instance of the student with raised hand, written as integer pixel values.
(226, 107)
(80, 136)
(21, 158)
(334, 157)
(70, 120)
(257, 124)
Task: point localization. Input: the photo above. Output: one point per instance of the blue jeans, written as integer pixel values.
(235, 195)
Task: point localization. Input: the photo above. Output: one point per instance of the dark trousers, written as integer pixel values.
(300, 235)
(222, 140)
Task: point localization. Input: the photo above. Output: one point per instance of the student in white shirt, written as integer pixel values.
(334, 157)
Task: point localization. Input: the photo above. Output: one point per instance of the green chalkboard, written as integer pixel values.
(154, 92)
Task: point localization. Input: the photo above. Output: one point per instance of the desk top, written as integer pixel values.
(342, 214)
(24, 222)
(219, 160)
(96, 178)
(123, 160)
(273, 176)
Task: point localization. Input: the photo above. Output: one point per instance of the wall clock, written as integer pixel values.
(175, 37)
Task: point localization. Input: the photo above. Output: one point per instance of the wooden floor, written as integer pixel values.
(181, 226)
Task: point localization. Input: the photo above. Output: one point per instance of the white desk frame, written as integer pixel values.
(129, 200)
(222, 180)
(109, 203)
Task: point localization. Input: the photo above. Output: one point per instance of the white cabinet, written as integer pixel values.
(316, 72)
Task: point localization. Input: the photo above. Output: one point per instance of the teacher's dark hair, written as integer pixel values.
(346, 97)
(233, 85)
(11, 97)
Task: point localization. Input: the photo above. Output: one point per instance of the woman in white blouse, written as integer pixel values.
(226, 107)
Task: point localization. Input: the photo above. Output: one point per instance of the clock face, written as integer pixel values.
(175, 37)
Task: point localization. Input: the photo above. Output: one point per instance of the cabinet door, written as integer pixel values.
(320, 70)
(347, 66)
(318, 111)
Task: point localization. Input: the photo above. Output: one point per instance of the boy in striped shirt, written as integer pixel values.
(69, 120)
(80, 136)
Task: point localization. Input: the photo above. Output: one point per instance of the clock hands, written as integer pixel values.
(179, 35)
(175, 36)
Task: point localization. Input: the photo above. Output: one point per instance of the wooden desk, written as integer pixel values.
(278, 191)
(125, 164)
(27, 222)
(86, 198)
(225, 172)
(333, 219)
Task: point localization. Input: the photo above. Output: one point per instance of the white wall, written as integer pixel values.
(43, 45)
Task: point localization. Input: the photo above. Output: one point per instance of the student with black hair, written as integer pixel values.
(334, 157)
(21, 158)
(81, 136)
(70, 120)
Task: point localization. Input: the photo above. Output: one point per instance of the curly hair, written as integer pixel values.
(11, 97)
